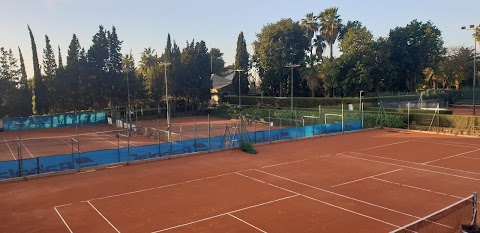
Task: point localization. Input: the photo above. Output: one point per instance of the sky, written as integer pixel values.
(142, 24)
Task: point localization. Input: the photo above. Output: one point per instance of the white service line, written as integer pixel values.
(337, 194)
(241, 220)
(389, 144)
(466, 157)
(63, 220)
(26, 149)
(10, 149)
(414, 187)
(353, 181)
(443, 142)
(421, 164)
(420, 169)
(103, 217)
(323, 202)
(468, 152)
(296, 161)
(227, 213)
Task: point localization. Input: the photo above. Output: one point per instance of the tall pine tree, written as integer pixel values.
(39, 90)
(72, 74)
(97, 64)
(114, 65)
(50, 71)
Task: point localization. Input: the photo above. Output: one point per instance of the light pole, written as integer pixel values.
(475, 28)
(360, 106)
(291, 66)
(129, 120)
(166, 99)
(239, 89)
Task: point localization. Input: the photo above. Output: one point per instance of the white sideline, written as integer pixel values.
(296, 161)
(68, 144)
(337, 194)
(103, 217)
(389, 144)
(10, 149)
(227, 213)
(404, 161)
(415, 187)
(63, 220)
(241, 220)
(448, 157)
(420, 169)
(27, 149)
(368, 177)
(323, 202)
(459, 144)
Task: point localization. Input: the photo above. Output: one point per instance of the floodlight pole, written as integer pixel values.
(166, 99)
(291, 66)
(239, 89)
(475, 28)
(360, 106)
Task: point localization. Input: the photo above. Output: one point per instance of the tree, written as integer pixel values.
(72, 75)
(356, 40)
(25, 95)
(414, 48)
(39, 90)
(98, 55)
(217, 62)
(330, 24)
(8, 82)
(50, 71)
(241, 63)
(114, 66)
(310, 26)
(277, 45)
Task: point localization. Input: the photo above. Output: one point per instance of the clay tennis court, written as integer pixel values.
(371, 181)
(58, 141)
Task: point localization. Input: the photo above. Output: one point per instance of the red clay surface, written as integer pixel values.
(58, 141)
(372, 181)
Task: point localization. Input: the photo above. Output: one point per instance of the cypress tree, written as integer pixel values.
(25, 97)
(241, 63)
(50, 71)
(39, 91)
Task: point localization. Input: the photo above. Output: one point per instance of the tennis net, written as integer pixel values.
(457, 217)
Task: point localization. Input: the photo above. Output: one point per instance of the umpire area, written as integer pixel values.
(370, 181)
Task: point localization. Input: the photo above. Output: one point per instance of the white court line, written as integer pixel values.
(333, 193)
(466, 157)
(241, 220)
(296, 161)
(68, 144)
(459, 144)
(415, 187)
(389, 144)
(160, 187)
(420, 164)
(420, 169)
(468, 152)
(353, 181)
(10, 149)
(103, 217)
(26, 149)
(63, 220)
(451, 142)
(326, 203)
(227, 213)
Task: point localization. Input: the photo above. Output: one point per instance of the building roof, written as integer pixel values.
(219, 82)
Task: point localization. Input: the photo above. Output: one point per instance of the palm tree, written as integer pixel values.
(312, 76)
(319, 44)
(330, 24)
(310, 25)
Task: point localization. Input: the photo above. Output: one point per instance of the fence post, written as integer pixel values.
(363, 116)
(158, 141)
(343, 121)
(255, 130)
(208, 130)
(194, 135)
(296, 129)
(408, 115)
(269, 126)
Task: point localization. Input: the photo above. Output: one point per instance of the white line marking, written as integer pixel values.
(389, 144)
(241, 220)
(326, 203)
(353, 181)
(296, 161)
(420, 164)
(58, 206)
(468, 152)
(103, 217)
(71, 146)
(443, 142)
(219, 215)
(10, 149)
(466, 157)
(420, 169)
(160, 187)
(63, 220)
(414, 187)
(336, 194)
(26, 149)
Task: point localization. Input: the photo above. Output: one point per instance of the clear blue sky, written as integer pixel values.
(145, 23)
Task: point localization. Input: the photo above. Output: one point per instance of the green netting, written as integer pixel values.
(245, 143)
